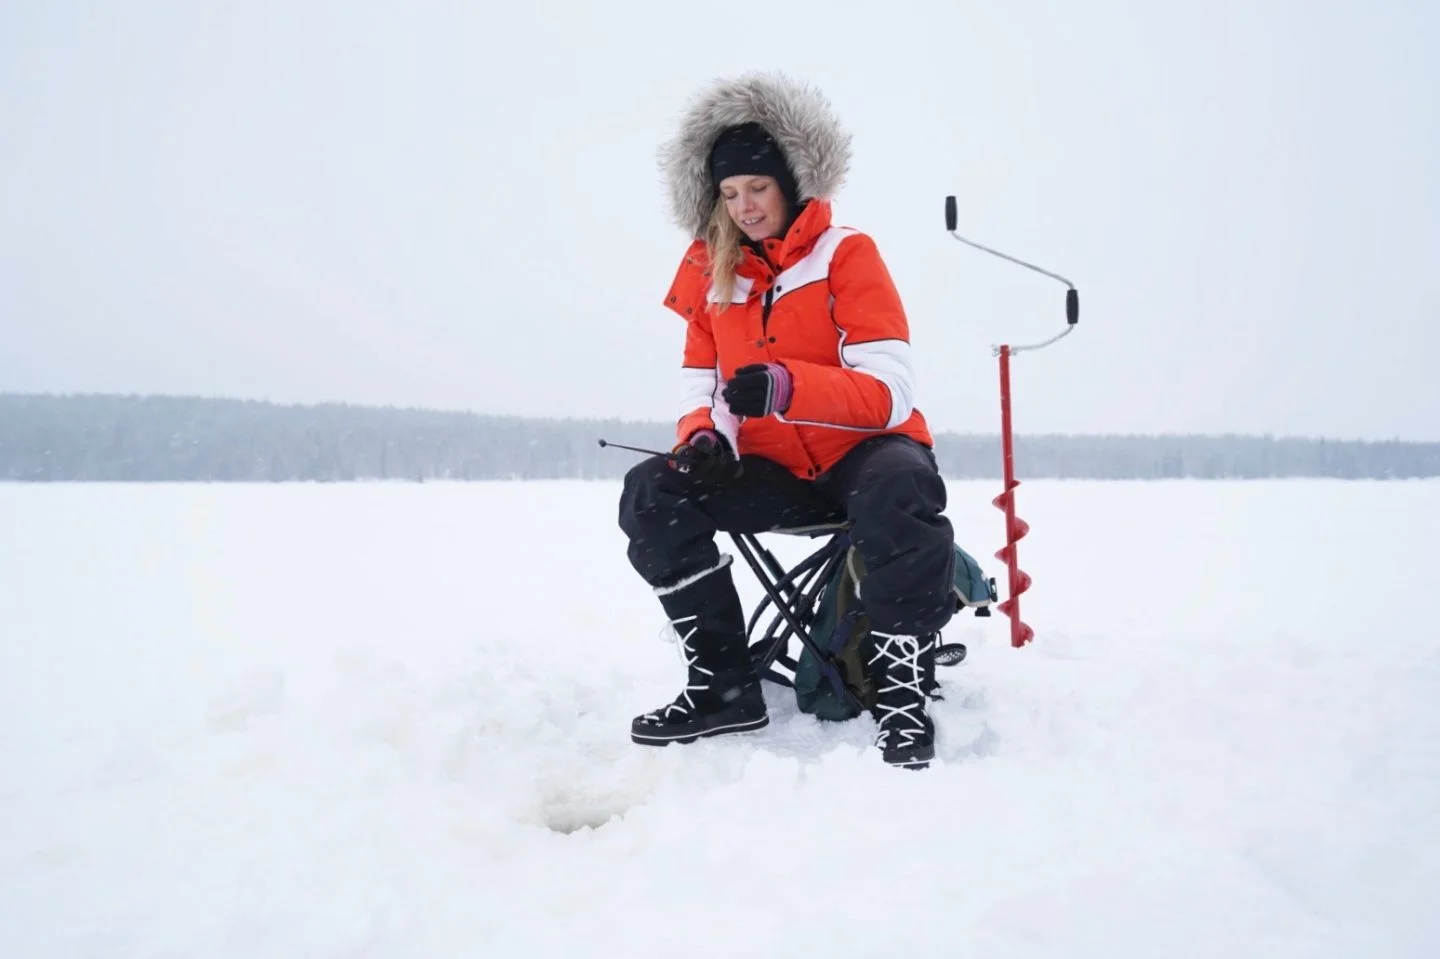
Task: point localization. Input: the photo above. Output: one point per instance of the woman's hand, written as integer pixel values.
(759, 390)
(706, 458)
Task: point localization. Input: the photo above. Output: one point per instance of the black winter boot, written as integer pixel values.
(722, 694)
(903, 670)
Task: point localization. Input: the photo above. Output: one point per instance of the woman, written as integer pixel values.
(798, 409)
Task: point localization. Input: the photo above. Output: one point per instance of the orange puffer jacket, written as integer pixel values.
(821, 302)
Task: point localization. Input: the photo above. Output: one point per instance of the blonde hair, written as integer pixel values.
(722, 243)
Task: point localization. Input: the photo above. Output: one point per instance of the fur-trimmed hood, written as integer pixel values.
(797, 115)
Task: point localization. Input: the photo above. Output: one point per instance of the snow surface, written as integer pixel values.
(389, 720)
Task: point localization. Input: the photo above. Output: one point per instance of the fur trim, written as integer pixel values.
(797, 115)
(725, 560)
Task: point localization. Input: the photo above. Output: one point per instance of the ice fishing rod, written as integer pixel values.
(634, 449)
(670, 456)
(1015, 527)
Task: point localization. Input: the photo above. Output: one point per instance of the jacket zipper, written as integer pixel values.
(767, 302)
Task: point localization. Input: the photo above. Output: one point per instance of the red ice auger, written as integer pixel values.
(1015, 527)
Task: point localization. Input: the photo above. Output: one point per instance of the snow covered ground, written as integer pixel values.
(391, 721)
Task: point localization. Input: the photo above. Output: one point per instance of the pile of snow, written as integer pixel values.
(392, 721)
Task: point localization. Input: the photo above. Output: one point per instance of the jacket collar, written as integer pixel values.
(763, 259)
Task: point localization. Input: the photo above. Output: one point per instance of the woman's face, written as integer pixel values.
(756, 205)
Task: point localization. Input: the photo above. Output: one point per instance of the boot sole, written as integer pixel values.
(919, 759)
(663, 739)
(910, 763)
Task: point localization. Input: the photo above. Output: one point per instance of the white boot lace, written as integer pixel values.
(688, 657)
(902, 670)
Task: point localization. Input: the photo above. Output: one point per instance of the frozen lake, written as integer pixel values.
(380, 720)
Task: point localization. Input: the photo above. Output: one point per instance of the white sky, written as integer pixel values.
(457, 205)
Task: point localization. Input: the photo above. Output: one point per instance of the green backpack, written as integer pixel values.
(842, 628)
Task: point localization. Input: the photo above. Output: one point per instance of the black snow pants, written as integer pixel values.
(889, 488)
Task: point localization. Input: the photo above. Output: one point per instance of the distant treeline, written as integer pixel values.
(163, 438)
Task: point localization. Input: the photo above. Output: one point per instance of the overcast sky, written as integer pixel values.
(456, 204)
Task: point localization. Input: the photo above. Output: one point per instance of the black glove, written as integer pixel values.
(706, 459)
(758, 390)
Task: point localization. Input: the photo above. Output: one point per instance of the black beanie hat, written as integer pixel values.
(749, 150)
